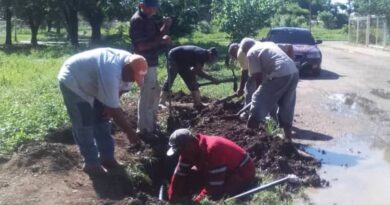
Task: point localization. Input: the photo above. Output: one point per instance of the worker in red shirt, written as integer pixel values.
(208, 165)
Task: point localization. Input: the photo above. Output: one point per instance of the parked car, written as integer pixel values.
(307, 56)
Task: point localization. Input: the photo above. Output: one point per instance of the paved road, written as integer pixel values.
(346, 113)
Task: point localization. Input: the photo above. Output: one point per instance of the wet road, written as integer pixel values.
(344, 117)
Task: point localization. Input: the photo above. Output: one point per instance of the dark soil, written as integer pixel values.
(55, 166)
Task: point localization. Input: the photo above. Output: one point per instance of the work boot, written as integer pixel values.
(94, 169)
(146, 136)
(197, 101)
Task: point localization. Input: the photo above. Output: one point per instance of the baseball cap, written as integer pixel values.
(177, 139)
(151, 3)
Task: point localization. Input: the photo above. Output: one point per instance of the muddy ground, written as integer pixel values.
(50, 172)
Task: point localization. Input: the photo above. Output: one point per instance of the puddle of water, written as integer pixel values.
(381, 93)
(357, 172)
(351, 103)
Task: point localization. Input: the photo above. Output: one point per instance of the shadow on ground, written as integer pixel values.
(310, 135)
(325, 75)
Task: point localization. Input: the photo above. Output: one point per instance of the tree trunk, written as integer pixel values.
(49, 25)
(34, 33)
(72, 24)
(58, 27)
(8, 29)
(96, 33)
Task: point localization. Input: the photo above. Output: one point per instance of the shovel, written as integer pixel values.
(290, 178)
(227, 80)
(171, 120)
(237, 115)
(228, 98)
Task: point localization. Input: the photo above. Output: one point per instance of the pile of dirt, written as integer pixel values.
(55, 166)
(272, 154)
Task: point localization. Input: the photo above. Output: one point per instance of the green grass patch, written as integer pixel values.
(31, 104)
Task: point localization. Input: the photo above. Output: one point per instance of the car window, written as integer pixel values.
(291, 36)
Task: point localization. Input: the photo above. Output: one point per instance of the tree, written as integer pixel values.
(377, 7)
(70, 9)
(6, 6)
(33, 12)
(241, 18)
(290, 14)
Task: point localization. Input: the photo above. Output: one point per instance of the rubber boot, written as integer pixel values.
(197, 101)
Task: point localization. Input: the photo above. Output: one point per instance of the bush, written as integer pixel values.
(204, 27)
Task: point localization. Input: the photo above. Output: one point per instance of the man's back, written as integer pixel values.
(189, 55)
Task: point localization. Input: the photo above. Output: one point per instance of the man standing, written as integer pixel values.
(208, 165)
(91, 83)
(278, 76)
(147, 38)
(188, 61)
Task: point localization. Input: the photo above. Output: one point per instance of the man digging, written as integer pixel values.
(91, 83)
(188, 61)
(278, 76)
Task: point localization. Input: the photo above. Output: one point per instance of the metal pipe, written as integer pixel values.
(290, 177)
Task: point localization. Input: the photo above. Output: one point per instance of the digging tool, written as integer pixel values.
(290, 178)
(161, 193)
(171, 119)
(234, 116)
(228, 98)
(227, 64)
(227, 80)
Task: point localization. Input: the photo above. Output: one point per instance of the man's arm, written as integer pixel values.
(243, 79)
(119, 118)
(198, 69)
(142, 44)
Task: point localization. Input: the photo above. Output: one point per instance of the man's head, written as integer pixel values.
(246, 44)
(233, 50)
(179, 140)
(149, 7)
(135, 69)
(213, 54)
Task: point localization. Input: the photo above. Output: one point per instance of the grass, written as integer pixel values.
(31, 104)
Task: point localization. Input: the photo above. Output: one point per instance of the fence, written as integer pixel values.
(369, 30)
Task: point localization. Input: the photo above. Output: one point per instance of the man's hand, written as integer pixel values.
(166, 40)
(167, 21)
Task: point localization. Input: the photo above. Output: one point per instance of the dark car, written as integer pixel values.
(307, 56)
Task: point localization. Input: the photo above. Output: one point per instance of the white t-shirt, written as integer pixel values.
(242, 59)
(96, 74)
(267, 58)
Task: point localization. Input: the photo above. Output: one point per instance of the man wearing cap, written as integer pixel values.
(278, 76)
(188, 61)
(147, 37)
(91, 83)
(248, 84)
(208, 165)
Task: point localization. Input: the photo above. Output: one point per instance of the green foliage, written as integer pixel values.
(378, 7)
(241, 18)
(31, 103)
(290, 14)
(271, 127)
(328, 20)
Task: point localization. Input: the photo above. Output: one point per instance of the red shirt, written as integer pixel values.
(219, 158)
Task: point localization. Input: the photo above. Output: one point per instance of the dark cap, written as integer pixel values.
(213, 52)
(151, 3)
(177, 139)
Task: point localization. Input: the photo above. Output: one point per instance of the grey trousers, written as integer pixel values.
(278, 92)
(148, 102)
